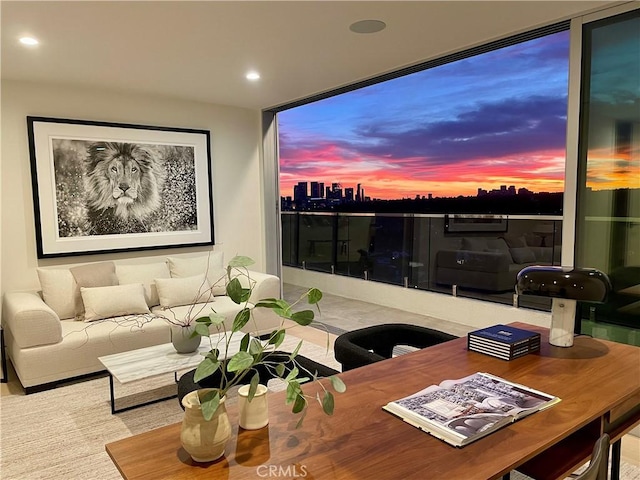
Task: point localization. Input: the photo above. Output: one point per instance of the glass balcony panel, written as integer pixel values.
(316, 242)
(387, 259)
(289, 222)
(476, 258)
(353, 244)
(481, 256)
(420, 262)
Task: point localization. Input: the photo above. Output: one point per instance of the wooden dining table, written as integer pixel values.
(598, 382)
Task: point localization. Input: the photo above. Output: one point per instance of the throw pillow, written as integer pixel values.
(474, 244)
(498, 244)
(533, 240)
(211, 263)
(113, 301)
(522, 255)
(174, 292)
(145, 274)
(58, 291)
(92, 275)
(514, 241)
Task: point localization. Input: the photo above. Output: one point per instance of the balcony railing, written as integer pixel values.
(475, 256)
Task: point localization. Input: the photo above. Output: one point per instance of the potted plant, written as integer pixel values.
(254, 352)
(183, 326)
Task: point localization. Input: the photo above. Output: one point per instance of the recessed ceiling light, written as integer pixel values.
(29, 41)
(367, 26)
(253, 76)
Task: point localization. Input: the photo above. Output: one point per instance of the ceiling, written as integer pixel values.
(202, 50)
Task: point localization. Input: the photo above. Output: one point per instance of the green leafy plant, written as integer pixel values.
(241, 366)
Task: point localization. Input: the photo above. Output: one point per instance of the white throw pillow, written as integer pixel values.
(113, 301)
(174, 292)
(145, 274)
(58, 291)
(181, 267)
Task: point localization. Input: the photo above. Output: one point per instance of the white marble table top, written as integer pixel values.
(151, 361)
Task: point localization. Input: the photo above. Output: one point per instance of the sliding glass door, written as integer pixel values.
(608, 207)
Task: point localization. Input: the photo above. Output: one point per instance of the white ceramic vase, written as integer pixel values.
(182, 340)
(204, 440)
(253, 414)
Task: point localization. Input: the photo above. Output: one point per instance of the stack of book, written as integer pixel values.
(503, 341)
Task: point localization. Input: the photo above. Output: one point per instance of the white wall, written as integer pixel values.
(237, 184)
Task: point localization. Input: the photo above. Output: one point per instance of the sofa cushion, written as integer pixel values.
(211, 263)
(174, 292)
(58, 290)
(145, 274)
(113, 301)
(101, 274)
(221, 305)
(522, 255)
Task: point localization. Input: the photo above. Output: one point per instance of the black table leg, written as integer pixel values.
(111, 394)
(616, 448)
(131, 407)
(5, 371)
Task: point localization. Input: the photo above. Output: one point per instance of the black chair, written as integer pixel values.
(372, 344)
(186, 383)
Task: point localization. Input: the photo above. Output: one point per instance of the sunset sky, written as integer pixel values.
(490, 120)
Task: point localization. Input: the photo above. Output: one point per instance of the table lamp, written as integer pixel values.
(566, 286)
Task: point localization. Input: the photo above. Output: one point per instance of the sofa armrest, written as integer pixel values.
(473, 260)
(266, 286)
(30, 321)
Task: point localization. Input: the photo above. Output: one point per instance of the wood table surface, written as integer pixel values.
(598, 382)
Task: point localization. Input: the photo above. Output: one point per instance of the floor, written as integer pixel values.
(339, 314)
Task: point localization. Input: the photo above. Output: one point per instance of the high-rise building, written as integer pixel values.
(300, 194)
(336, 191)
(348, 194)
(315, 190)
(358, 194)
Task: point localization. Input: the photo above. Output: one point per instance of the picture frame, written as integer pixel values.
(475, 223)
(102, 187)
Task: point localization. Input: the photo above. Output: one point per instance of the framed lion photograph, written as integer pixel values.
(102, 187)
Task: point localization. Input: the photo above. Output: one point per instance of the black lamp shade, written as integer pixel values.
(582, 284)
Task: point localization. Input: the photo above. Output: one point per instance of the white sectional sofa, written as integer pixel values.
(96, 309)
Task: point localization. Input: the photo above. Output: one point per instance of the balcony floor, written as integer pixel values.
(340, 314)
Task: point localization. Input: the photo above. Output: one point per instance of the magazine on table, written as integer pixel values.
(464, 410)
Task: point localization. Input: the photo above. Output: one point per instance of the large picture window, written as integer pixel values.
(410, 180)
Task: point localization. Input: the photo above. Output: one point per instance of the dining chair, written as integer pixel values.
(599, 463)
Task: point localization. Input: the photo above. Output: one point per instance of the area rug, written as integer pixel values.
(60, 434)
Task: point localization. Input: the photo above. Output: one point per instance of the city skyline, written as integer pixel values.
(357, 192)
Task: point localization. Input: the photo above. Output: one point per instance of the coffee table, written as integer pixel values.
(134, 365)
